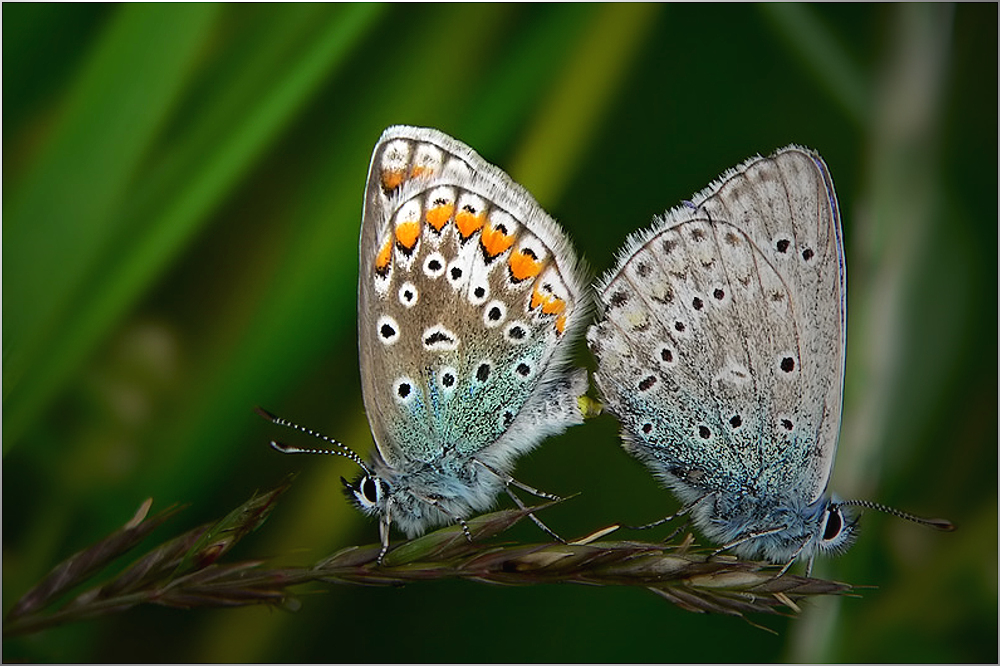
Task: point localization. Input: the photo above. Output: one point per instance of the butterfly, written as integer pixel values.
(721, 342)
(469, 300)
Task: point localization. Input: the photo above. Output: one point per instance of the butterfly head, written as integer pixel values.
(836, 528)
(368, 492)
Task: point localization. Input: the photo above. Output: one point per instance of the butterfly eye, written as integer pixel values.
(838, 531)
(370, 489)
(366, 492)
(834, 523)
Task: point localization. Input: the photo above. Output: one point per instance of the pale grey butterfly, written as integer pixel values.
(469, 299)
(720, 345)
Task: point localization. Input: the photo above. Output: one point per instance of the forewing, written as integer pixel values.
(722, 342)
(468, 293)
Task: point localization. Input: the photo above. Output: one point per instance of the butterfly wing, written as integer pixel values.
(469, 294)
(721, 346)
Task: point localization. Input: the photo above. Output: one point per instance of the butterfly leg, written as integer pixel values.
(794, 557)
(437, 505)
(383, 533)
(656, 523)
(509, 481)
(683, 512)
(680, 528)
(749, 537)
(535, 519)
(809, 566)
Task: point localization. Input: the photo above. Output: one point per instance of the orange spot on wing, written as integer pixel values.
(560, 323)
(550, 304)
(438, 216)
(421, 170)
(536, 299)
(384, 255)
(407, 233)
(495, 241)
(468, 223)
(391, 179)
(553, 305)
(524, 266)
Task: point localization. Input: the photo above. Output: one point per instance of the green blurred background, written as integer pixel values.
(182, 200)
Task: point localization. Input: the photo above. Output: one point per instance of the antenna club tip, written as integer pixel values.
(942, 524)
(283, 448)
(935, 523)
(260, 411)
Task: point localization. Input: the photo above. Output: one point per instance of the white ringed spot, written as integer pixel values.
(434, 265)
(387, 330)
(494, 314)
(404, 390)
(437, 338)
(408, 294)
(448, 379)
(517, 332)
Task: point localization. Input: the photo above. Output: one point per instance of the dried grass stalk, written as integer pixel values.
(184, 572)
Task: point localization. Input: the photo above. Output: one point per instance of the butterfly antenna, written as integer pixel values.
(341, 450)
(936, 523)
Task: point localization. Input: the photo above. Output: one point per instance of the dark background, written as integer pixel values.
(182, 200)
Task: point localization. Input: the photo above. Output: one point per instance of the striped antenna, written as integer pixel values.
(341, 450)
(936, 523)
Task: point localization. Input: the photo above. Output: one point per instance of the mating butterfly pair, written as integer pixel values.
(720, 342)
